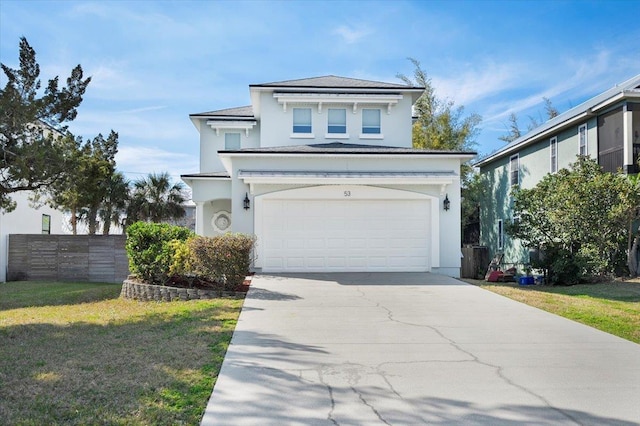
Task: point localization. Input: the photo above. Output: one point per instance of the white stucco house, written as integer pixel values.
(323, 172)
(25, 219)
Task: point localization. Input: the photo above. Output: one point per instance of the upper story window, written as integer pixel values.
(370, 121)
(337, 120)
(553, 151)
(514, 170)
(302, 120)
(46, 224)
(231, 141)
(582, 140)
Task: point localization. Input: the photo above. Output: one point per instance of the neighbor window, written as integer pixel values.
(500, 235)
(231, 141)
(514, 170)
(582, 140)
(371, 121)
(337, 121)
(46, 224)
(553, 150)
(302, 120)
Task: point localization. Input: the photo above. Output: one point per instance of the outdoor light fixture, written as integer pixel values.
(247, 202)
(446, 202)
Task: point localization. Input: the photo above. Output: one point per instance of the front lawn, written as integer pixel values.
(613, 307)
(76, 354)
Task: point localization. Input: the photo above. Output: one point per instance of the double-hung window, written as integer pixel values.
(514, 170)
(582, 140)
(553, 152)
(231, 141)
(337, 120)
(302, 120)
(370, 121)
(500, 234)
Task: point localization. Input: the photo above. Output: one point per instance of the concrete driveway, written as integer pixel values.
(412, 348)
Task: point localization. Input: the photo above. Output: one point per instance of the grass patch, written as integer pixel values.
(613, 307)
(76, 354)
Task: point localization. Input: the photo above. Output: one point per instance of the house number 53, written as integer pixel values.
(347, 193)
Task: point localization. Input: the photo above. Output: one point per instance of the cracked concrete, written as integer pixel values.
(410, 348)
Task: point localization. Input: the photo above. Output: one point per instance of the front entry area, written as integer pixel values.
(344, 228)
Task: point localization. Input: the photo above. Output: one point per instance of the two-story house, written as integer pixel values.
(323, 172)
(605, 127)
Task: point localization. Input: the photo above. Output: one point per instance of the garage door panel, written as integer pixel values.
(345, 235)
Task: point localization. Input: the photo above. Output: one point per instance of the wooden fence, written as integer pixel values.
(92, 258)
(475, 261)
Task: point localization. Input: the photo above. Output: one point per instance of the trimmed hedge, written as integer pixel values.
(159, 253)
(151, 251)
(225, 258)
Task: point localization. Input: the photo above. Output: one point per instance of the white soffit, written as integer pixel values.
(252, 177)
(352, 99)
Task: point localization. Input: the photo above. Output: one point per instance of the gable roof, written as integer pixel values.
(334, 81)
(589, 108)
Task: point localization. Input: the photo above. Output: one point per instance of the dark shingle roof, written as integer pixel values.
(333, 81)
(343, 148)
(214, 175)
(235, 113)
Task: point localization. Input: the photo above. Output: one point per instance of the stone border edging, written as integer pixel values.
(161, 293)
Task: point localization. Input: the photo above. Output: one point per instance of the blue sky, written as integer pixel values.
(155, 62)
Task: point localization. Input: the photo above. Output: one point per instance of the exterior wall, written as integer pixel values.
(24, 220)
(535, 163)
(277, 124)
(211, 143)
(448, 222)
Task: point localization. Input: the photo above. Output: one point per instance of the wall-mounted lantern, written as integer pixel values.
(446, 203)
(246, 201)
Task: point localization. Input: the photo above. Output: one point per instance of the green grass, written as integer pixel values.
(77, 354)
(613, 307)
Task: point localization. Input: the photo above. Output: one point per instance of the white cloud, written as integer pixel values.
(479, 82)
(351, 35)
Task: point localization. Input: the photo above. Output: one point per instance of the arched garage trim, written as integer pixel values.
(267, 205)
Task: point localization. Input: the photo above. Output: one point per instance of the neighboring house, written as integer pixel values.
(322, 171)
(605, 128)
(25, 220)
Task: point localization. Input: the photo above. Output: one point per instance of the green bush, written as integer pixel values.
(151, 249)
(223, 259)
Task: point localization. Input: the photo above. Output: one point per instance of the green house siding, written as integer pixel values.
(535, 163)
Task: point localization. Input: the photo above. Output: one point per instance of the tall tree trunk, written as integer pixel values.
(106, 226)
(632, 257)
(74, 221)
(93, 220)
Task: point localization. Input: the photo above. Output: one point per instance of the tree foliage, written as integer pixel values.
(156, 199)
(513, 128)
(85, 189)
(32, 123)
(440, 125)
(579, 216)
(115, 201)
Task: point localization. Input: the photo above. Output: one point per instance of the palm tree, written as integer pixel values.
(155, 199)
(114, 202)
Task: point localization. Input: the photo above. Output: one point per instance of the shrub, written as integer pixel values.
(224, 259)
(151, 251)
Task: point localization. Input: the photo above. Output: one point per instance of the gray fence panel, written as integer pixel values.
(93, 258)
